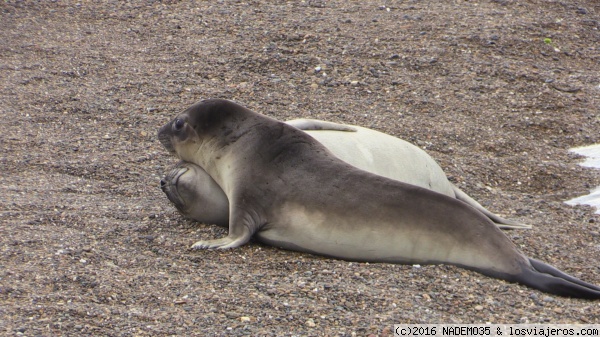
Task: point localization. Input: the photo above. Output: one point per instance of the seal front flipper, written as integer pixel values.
(242, 226)
(315, 124)
(222, 243)
(237, 237)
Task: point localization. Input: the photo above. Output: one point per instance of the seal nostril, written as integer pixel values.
(162, 183)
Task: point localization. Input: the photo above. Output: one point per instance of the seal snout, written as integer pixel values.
(164, 136)
(170, 185)
(172, 178)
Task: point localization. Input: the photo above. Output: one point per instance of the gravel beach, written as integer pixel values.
(496, 91)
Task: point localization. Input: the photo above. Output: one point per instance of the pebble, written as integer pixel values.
(311, 323)
(548, 299)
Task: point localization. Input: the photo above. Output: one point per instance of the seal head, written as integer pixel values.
(195, 194)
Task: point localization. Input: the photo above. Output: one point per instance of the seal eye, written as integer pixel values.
(178, 125)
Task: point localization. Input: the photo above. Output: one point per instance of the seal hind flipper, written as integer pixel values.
(501, 222)
(546, 278)
(548, 269)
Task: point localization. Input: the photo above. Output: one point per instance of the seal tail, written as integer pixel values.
(501, 222)
(548, 279)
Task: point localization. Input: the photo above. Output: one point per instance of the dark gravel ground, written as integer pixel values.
(496, 91)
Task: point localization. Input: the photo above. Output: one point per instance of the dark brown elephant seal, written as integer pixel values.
(287, 190)
(197, 196)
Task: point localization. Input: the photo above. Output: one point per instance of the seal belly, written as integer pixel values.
(378, 238)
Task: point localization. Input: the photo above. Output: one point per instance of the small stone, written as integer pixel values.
(311, 323)
(548, 299)
(479, 307)
(230, 314)
(245, 319)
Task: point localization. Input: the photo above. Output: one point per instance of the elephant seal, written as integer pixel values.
(287, 190)
(197, 196)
